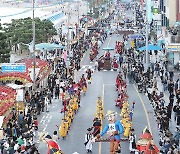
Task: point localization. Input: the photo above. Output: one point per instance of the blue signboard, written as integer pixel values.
(13, 67)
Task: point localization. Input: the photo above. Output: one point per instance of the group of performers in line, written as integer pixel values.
(71, 102)
(108, 60)
(115, 128)
(94, 51)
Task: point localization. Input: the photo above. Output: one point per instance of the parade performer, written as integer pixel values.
(107, 55)
(115, 64)
(99, 109)
(114, 128)
(96, 126)
(146, 144)
(52, 145)
(89, 75)
(132, 141)
(91, 55)
(83, 84)
(88, 140)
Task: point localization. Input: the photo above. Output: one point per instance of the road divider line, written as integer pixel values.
(109, 41)
(145, 110)
(100, 144)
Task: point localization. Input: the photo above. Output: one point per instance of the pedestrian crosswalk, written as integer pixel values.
(84, 68)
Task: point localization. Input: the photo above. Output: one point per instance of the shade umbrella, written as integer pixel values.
(108, 48)
(160, 42)
(48, 46)
(150, 47)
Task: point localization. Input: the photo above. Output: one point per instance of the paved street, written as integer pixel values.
(103, 84)
(154, 115)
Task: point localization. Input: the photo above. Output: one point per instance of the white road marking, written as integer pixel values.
(145, 110)
(45, 128)
(100, 144)
(42, 119)
(47, 116)
(49, 119)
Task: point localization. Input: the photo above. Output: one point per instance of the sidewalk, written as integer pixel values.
(172, 123)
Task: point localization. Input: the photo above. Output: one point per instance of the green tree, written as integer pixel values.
(4, 50)
(20, 31)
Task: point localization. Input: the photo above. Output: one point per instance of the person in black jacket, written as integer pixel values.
(176, 110)
(96, 126)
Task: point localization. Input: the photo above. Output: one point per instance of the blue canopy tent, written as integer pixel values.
(150, 47)
(108, 48)
(48, 46)
(45, 47)
(160, 42)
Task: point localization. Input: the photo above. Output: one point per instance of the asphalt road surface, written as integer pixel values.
(103, 84)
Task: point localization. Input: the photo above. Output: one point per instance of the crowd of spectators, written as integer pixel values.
(157, 82)
(20, 132)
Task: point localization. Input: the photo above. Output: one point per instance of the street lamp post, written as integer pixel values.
(147, 49)
(34, 56)
(78, 30)
(68, 39)
(87, 17)
(148, 21)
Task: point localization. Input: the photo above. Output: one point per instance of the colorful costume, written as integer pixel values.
(114, 128)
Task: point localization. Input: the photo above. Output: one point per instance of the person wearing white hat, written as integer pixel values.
(113, 128)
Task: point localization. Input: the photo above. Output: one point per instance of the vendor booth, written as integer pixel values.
(42, 70)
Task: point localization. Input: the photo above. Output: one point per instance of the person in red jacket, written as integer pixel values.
(52, 145)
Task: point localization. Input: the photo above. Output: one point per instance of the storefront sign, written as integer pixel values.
(174, 47)
(13, 67)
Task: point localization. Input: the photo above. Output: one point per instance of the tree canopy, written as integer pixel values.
(20, 31)
(4, 50)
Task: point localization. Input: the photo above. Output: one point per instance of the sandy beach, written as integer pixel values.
(22, 10)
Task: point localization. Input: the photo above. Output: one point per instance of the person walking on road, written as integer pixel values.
(132, 141)
(125, 71)
(88, 142)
